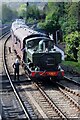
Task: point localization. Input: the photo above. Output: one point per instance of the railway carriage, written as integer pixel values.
(37, 52)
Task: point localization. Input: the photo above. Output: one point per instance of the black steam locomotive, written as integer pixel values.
(36, 50)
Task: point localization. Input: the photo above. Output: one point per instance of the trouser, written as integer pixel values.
(16, 73)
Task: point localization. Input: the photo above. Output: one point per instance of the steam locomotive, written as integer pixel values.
(36, 50)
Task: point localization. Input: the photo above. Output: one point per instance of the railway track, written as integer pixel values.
(4, 31)
(72, 88)
(12, 84)
(7, 98)
(68, 106)
(72, 81)
(43, 101)
(74, 98)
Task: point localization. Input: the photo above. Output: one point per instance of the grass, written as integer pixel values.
(71, 64)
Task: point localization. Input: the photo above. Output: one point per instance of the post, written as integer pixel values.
(57, 36)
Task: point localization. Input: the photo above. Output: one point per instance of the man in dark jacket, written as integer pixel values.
(16, 68)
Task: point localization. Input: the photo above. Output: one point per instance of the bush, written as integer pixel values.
(30, 21)
(72, 46)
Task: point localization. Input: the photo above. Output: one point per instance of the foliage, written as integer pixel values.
(51, 21)
(64, 16)
(29, 12)
(72, 45)
(70, 19)
(41, 25)
(7, 14)
(71, 64)
(33, 12)
(22, 10)
(79, 47)
(0, 11)
(30, 21)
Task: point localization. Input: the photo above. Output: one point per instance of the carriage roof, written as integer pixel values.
(22, 31)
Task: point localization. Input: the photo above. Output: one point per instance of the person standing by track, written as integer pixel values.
(16, 69)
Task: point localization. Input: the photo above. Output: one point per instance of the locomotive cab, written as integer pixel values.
(37, 46)
(40, 45)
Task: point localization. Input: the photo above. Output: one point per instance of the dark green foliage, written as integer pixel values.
(71, 66)
(65, 17)
(7, 14)
(29, 12)
(72, 46)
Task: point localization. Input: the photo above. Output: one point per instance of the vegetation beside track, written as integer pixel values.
(72, 66)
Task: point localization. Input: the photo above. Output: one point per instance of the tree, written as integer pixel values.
(28, 11)
(51, 24)
(69, 21)
(7, 14)
(72, 45)
(0, 12)
(22, 10)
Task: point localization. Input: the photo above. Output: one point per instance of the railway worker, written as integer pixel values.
(16, 68)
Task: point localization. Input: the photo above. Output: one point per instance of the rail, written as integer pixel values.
(4, 31)
(77, 83)
(50, 102)
(61, 87)
(13, 87)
